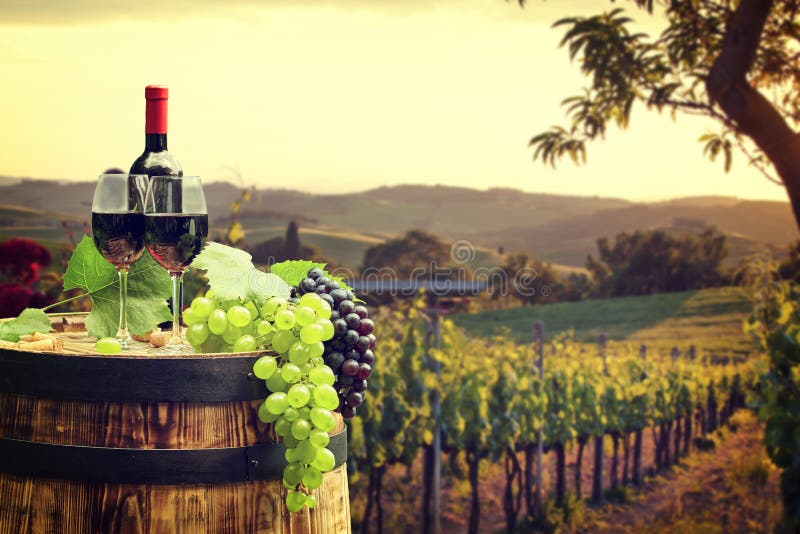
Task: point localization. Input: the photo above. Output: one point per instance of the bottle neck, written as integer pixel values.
(155, 142)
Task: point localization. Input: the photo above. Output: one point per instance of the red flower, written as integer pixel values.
(13, 299)
(21, 259)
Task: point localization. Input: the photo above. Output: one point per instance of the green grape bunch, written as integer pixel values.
(302, 394)
(320, 342)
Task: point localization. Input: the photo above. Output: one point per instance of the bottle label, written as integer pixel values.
(156, 110)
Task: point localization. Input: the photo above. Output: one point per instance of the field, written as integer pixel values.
(709, 318)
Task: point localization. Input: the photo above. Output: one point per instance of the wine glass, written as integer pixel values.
(118, 233)
(176, 227)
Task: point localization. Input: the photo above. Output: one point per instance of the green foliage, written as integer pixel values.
(232, 275)
(294, 271)
(148, 289)
(669, 72)
(656, 262)
(528, 281)
(417, 251)
(716, 143)
(709, 318)
(493, 404)
(789, 267)
(29, 321)
(775, 324)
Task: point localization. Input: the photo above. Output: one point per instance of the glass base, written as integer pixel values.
(175, 348)
(128, 343)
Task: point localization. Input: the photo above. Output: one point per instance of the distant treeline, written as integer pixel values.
(638, 263)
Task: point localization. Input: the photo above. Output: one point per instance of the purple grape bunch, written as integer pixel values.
(349, 353)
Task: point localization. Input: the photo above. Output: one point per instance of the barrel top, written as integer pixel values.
(78, 372)
(79, 343)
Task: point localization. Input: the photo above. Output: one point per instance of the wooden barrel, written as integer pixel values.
(138, 443)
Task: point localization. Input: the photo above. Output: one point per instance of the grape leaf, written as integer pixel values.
(29, 321)
(231, 274)
(264, 285)
(149, 287)
(293, 271)
(227, 269)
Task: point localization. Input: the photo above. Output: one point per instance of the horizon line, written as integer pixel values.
(9, 180)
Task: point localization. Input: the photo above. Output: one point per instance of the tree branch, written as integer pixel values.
(752, 113)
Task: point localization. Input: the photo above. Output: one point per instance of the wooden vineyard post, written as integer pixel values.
(637, 440)
(597, 476)
(538, 343)
(431, 505)
(437, 432)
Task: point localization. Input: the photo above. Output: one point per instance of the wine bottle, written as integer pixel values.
(156, 159)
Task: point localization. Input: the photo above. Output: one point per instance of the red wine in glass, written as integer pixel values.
(175, 239)
(118, 233)
(175, 228)
(119, 236)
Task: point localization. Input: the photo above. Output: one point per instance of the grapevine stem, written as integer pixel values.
(59, 303)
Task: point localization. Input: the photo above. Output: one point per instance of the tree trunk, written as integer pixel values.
(657, 447)
(615, 460)
(530, 457)
(626, 449)
(427, 490)
(677, 446)
(597, 475)
(378, 488)
(474, 460)
(752, 113)
(370, 500)
(637, 458)
(687, 435)
(666, 428)
(561, 473)
(579, 468)
(702, 425)
(510, 504)
(712, 408)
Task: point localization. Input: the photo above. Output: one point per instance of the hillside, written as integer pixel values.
(561, 229)
(708, 317)
(568, 240)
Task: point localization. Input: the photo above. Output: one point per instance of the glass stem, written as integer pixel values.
(122, 331)
(175, 339)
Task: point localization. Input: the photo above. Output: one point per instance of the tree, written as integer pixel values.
(292, 242)
(578, 286)
(734, 62)
(789, 267)
(280, 249)
(656, 262)
(529, 281)
(417, 253)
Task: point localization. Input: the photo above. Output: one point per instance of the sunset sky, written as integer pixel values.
(328, 96)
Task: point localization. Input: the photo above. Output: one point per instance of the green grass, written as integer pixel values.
(711, 318)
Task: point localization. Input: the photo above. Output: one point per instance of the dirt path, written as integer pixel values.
(730, 489)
